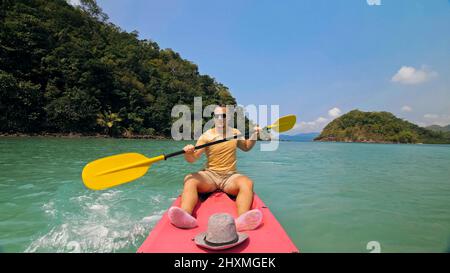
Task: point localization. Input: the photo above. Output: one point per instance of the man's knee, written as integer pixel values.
(245, 184)
(196, 181)
(190, 181)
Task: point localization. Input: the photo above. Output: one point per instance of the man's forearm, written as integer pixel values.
(249, 143)
(190, 158)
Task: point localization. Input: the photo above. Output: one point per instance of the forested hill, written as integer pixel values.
(67, 69)
(358, 126)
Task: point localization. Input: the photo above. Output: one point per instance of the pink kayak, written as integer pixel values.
(270, 237)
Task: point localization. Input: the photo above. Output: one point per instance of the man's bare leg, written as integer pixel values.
(193, 185)
(182, 217)
(243, 188)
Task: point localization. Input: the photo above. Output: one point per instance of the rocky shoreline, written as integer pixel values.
(361, 141)
(79, 135)
(333, 139)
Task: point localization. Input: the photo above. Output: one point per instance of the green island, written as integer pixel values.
(438, 128)
(67, 70)
(379, 127)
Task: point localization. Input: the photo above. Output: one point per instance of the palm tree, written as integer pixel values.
(108, 120)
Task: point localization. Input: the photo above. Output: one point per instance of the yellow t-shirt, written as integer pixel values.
(221, 158)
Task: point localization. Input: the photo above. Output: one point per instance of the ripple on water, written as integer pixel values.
(49, 209)
(26, 187)
(32, 195)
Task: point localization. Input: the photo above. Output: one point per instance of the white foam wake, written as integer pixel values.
(97, 226)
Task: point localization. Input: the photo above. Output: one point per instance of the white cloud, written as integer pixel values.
(421, 124)
(374, 2)
(410, 75)
(309, 126)
(318, 121)
(442, 120)
(316, 125)
(335, 112)
(321, 120)
(407, 108)
(431, 116)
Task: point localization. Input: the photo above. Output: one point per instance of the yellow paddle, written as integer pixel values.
(118, 169)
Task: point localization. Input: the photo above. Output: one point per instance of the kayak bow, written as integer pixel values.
(269, 237)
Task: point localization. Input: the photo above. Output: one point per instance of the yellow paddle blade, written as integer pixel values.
(284, 124)
(114, 170)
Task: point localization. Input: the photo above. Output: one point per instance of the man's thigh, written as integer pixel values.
(204, 184)
(235, 183)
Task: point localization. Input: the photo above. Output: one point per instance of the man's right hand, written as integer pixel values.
(189, 149)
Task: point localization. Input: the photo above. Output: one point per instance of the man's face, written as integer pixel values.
(220, 118)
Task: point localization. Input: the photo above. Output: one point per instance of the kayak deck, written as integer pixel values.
(269, 237)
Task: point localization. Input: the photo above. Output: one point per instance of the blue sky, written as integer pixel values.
(316, 59)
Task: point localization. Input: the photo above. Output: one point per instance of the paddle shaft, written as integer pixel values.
(210, 144)
(202, 146)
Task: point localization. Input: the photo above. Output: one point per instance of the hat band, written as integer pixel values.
(222, 244)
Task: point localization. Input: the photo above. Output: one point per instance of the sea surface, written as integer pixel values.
(329, 197)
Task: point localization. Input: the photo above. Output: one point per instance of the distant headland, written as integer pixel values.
(380, 127)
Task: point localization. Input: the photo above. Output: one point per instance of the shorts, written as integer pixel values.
(219, 180)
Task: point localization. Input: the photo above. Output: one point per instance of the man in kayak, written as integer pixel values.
(219, 174)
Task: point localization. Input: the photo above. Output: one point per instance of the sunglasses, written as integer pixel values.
(217, 116)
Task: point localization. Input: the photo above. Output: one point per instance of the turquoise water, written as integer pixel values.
(330, 197)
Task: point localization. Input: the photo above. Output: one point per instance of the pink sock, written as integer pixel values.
(181, 219)
(249, 220)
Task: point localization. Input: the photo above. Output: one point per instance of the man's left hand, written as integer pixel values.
(256, 131)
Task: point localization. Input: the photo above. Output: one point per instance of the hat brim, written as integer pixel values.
(200, 241)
